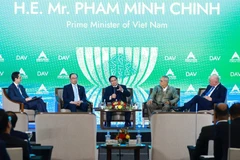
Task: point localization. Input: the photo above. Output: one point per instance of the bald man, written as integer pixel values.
(215, 93)
(208, 132)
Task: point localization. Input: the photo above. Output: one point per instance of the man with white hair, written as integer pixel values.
(215, 93)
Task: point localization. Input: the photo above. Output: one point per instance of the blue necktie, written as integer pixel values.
(210, 90)
(76, 96)
(20, 91)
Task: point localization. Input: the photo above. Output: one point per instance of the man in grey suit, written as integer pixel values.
(163, 97)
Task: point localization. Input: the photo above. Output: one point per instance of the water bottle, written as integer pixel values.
(139, 138)
(107, 137)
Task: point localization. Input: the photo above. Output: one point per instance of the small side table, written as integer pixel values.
(136, 149)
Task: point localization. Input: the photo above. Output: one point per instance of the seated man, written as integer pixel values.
(215, 93)
(16, 92)
(208, 132)
(74, 96)
(222, 137)
(15, 133)
(116, 92)
(10, 141)
(162, 97)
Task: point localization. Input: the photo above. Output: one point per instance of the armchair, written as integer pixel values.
(59, 101)
(10, 105)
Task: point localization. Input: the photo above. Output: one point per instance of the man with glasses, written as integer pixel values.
(74, 96)
(17, 92)
(215, 93)
(116, 92)
(162, 97)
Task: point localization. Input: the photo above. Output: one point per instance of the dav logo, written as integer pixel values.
(42, 90)
(235, 58)
(23, 74)
(191, 58)
(21, 57)
(214, 72)
(191, 74)
(63, 74)
(214, 58)
(234, 74)
(170, 74)
(63, 58)
(235, 90)
(170, 58)
(42, 58)
(191, 90)
(1, 58)
(42, 73)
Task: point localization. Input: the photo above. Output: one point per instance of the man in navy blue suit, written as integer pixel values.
(74, 96)
(215, 93)
(16, 92)
(116, 92)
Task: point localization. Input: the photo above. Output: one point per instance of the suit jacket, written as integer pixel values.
(221, 142)
(11, 142)
(19, 134)
(121, 96)
(207, 133)
(68, 94)
(218, 95)
(4, 154)
(159, 96)
(15, 95)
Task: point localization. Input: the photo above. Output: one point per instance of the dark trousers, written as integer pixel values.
(127, 117)
(203, 104)
(37, 104)
(83, 107)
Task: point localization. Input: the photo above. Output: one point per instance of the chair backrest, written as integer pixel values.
(22, 123)
(129, 99)
(201, 90)
(59, 98)
(71, 134)
(172, 132)
(233, 153)
(8, 104)
(15, 153)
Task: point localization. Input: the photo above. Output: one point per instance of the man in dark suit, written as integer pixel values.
(4, 155)
(215, 93)
(208, 132)
(10, 141)
(16, 92)
(116, 92)
(74, 96)
(15, 133)
(226, 133)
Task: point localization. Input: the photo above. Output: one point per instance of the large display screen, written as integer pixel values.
(138, 41)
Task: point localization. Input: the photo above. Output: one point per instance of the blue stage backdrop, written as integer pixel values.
(138, 41)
